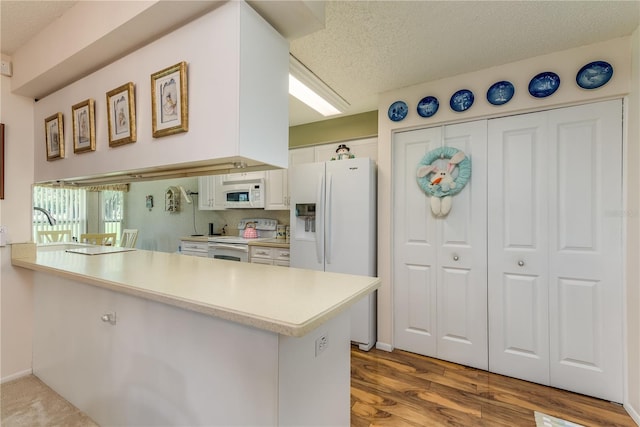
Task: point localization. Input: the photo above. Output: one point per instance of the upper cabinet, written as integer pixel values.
(210, 192)
(237, 87)
(277, 190)
(367, 147)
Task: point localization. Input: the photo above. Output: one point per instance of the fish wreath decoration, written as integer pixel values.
(443, 173)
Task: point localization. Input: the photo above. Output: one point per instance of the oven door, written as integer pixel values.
(229, 251)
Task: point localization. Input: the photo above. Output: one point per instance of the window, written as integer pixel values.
(67, 206)
(112, 211)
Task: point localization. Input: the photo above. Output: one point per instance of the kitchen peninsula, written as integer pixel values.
(151, 338)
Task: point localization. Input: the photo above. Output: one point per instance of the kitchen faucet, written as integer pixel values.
(52, 220)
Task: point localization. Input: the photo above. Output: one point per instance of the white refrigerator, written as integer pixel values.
(333, 228)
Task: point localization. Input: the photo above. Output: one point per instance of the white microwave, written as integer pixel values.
(247, 194)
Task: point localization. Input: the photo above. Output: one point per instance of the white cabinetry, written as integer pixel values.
(269, 255)
(277, 187)
(206, 193)
(237, 58)
(242, 176)
(210, 193)
(194, 248)
(367, 147)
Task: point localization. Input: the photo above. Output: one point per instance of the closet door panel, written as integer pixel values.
(462, 260)
(585, 253)
(517, 247)
(415, 247)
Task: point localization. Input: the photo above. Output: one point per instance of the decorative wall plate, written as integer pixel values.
(398, 111)
(500, 92)
(544, 84)
(594, 75)
(461, 100)
(428, 106)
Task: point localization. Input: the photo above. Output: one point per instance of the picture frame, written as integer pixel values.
(121, 115)
(54, 136)
(84, 126)
(169, 107)
(1, 161)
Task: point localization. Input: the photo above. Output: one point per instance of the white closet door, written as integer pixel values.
(415, 246)
(585, 249)
(462, 257)
(517, 246)
(440, 263)
(555, 248)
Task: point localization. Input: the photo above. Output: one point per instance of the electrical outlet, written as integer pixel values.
(322, 342)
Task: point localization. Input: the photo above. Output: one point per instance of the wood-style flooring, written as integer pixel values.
(404, 389)
(387, 389)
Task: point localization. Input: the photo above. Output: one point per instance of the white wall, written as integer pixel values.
(632, 404)
(16, 303)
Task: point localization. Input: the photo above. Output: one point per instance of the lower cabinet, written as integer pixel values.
(189, 247)
(269, 255)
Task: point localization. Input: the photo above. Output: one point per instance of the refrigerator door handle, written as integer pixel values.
(327, 221)
(319, 219)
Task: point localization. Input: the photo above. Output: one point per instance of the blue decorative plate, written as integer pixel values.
(500, 92)
(428, 106)
(398, 111)
(544, 84)
(461, 100)
(594, 74)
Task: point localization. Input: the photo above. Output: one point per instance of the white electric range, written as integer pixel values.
(236, 248)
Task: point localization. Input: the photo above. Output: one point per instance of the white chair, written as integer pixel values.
(54, 236)
(129, 237)
(104, 239)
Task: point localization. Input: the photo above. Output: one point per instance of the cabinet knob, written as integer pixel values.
(456, 257)
(521, 263)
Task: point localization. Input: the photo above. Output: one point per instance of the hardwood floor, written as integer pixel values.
(404, 389)
(387, 389)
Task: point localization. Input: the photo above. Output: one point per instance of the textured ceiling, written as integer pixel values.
(369, 47)
(372, 47)
(21, 20)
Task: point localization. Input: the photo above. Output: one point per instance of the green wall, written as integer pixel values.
(363, 125)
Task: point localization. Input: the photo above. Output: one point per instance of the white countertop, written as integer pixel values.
(288, 301)
(201, 239)
(271, 243)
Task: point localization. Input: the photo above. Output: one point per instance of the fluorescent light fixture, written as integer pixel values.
(308, 88)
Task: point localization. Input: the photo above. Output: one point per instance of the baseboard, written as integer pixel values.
(635, 416)
(384, 346)
(16, 376)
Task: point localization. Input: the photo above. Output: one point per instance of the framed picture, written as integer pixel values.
(54, 136)
(1, 160)
(84, 126)
(121, 112)
(169, 101)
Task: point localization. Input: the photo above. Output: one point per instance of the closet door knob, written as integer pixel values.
(109, 318)
(521, 263)
(456, 257)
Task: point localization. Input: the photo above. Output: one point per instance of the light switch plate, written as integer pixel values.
(5, 68)
(3, 235)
